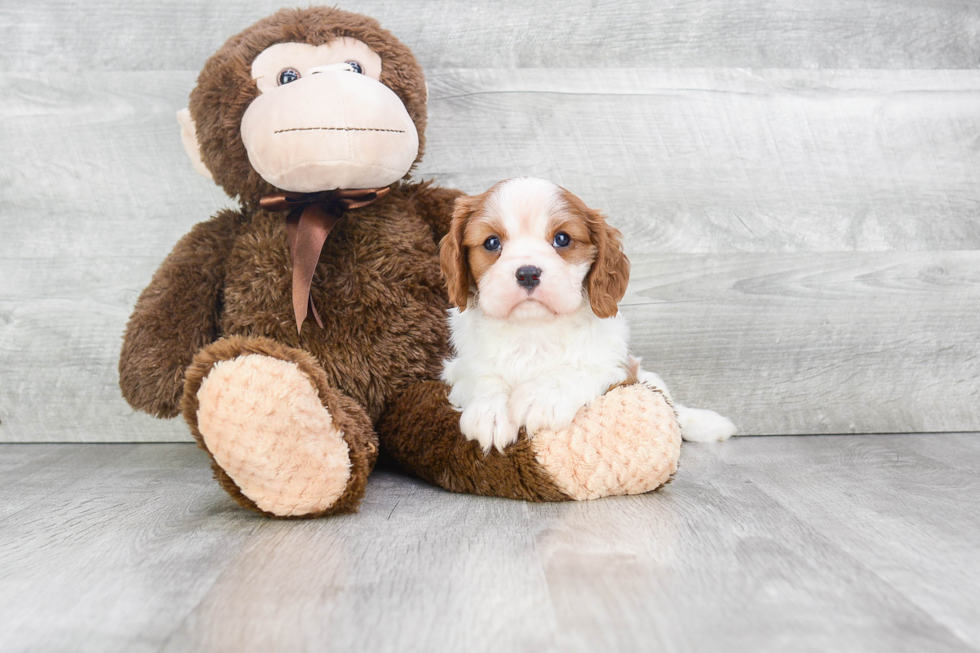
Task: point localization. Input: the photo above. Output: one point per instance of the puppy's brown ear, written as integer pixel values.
(452, 253)
(610, 273)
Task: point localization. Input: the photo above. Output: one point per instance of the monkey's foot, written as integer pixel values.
(281, 440)
(626, 442)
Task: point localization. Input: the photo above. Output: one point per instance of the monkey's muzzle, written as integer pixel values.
(335, 129)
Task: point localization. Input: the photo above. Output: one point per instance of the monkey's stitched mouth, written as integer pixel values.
(340, 129)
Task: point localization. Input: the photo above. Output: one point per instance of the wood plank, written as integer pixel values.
(685, 161)
(761, 544)
(114, 559)
(724, 564)
(919, 509)
(816, 343)
(166, 34)
(418, 569)
(31, 472)
(99, 195)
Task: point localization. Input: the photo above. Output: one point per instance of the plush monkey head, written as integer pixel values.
(307, 100)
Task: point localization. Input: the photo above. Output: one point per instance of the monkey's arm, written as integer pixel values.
(435, 206)
(175, 316)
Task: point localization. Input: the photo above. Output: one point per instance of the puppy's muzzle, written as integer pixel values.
(528, 277)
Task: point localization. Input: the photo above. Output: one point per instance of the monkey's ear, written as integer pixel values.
(188, 135)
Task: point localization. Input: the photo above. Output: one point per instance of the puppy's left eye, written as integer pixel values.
(491, 244)
(561, 239)
(355, 67)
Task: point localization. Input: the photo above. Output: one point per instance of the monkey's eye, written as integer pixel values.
(491, 244)
(288, 75)
(356, 67)
(561, 239)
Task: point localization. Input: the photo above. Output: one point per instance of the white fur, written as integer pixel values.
(535, 374)
(534, 359)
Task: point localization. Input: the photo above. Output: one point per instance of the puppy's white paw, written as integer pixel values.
(539, 407)
(487, 420)
(700, 425)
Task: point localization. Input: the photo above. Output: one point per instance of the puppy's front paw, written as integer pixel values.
(700, 425)
(538, 408)
(487, 421)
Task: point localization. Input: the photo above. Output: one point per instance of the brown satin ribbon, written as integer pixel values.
(310, 218)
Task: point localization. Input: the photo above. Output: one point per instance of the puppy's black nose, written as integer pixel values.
(528, 277)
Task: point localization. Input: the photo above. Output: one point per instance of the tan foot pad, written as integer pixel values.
(626, 442)
(264, 424)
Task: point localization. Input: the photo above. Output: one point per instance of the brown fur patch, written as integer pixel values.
(377, 288)
(452, 253)
(632, 376)
(350, 418)
(476, 231)
(435, 206)
(581, 248)
(610, 273)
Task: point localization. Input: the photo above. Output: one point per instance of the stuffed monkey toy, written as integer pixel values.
(304, 333)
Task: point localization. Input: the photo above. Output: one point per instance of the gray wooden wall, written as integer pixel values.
(798, 182)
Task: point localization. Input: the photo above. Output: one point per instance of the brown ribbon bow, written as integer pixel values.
(311, 217)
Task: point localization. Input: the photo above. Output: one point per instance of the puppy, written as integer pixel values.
(536, 277)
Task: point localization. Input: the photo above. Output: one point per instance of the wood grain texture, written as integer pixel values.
(816, 343)
(786, 167)
(171, 35)
(899, 489)
(684, 161)
(760, 544)
(715, 161)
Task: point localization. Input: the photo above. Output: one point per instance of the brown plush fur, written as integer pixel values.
(348, 416)
(420, 432)
(384, 317)
(377, 289)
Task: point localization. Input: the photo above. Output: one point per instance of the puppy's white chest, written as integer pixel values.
(521, 358)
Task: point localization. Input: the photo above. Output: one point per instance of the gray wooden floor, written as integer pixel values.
(824, 543)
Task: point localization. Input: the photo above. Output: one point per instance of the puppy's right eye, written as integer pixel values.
(491, 244)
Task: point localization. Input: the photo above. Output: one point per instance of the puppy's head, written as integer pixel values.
(529, 249)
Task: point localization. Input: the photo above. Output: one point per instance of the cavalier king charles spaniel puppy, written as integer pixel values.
(536, 277)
